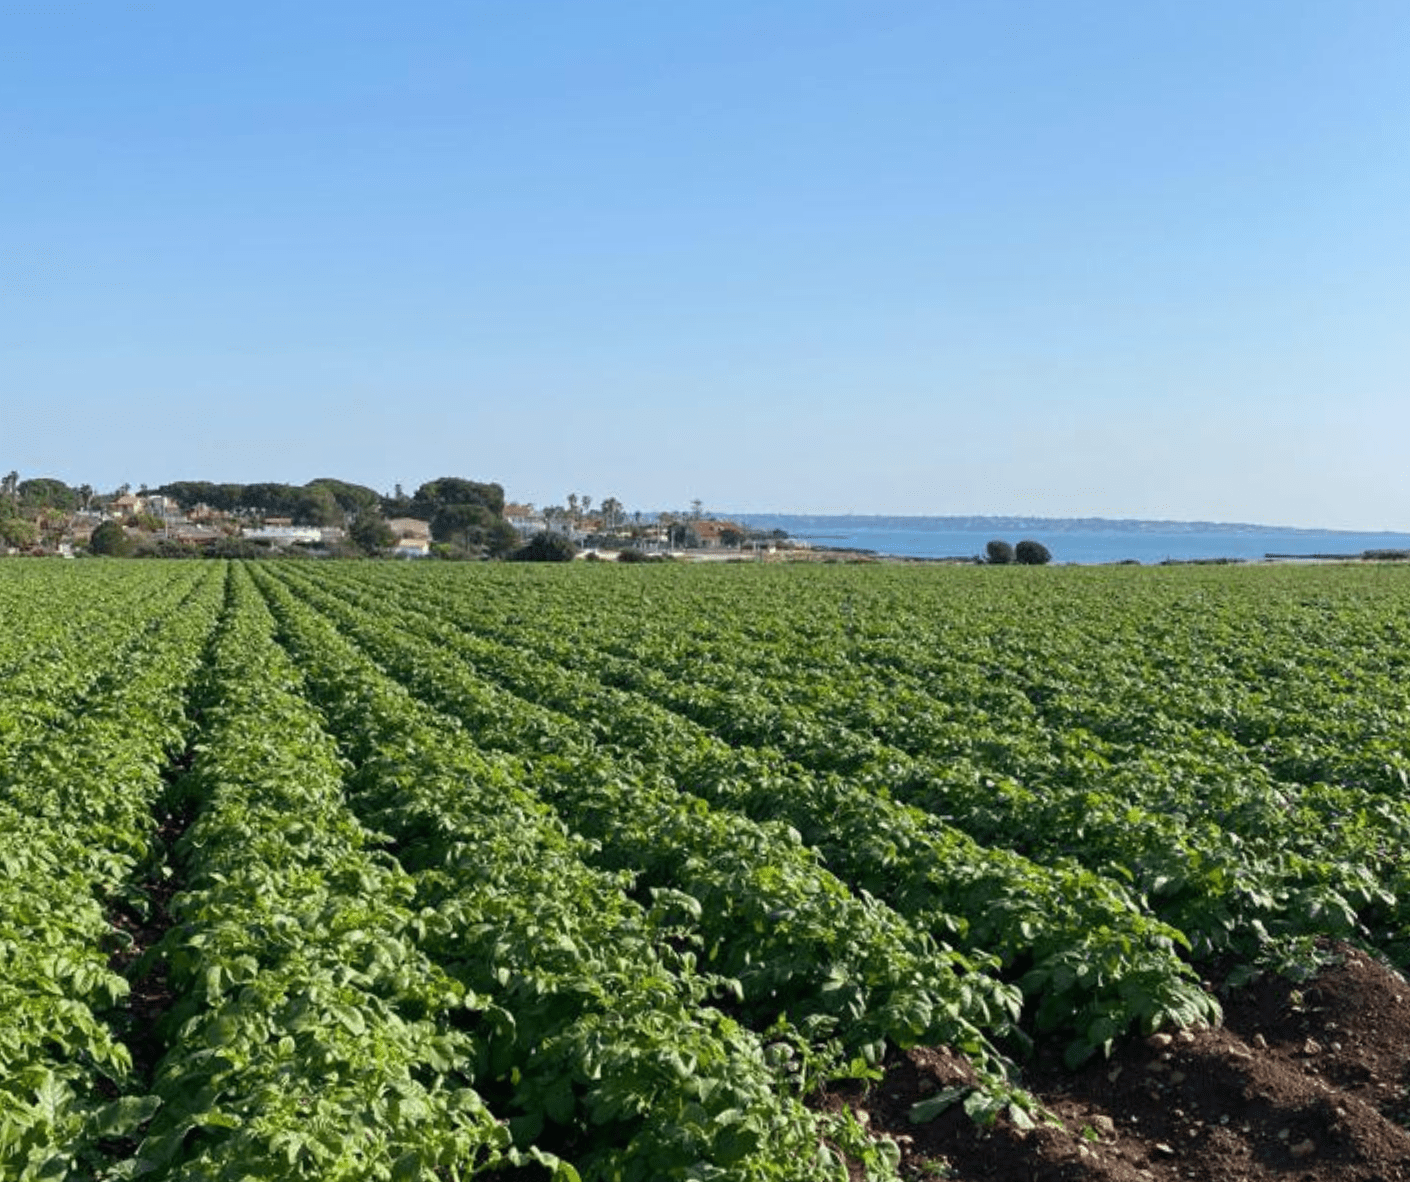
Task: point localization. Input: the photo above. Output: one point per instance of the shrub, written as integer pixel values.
(17, 532)
(371, 533)
(149, 547)
(111, 539)
(236, 548)
(546, 547)
(999, 553)
(1032, 553)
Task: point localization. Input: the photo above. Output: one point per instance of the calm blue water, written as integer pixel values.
(919, 537)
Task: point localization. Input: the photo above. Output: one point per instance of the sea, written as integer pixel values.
(1084, 540)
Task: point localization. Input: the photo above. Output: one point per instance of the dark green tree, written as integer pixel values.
(1031, 553)
(236, 548)
(46, 492)
(546, 547)
(453, 490)
(683, 536)
(998, 553)
(352, 499)
(110, 539)
(371, 533)
(463, 523)
(190, 493)
(314, 504)
(500, 539)
(269, 498)
(612, 513)
(398, 504)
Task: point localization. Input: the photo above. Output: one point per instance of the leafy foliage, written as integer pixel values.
(110, 539)
(546, 547)
(606, 868)
(436, 495)
(77, 805)
(607, 1025)
(371, 533)
(310, 1037)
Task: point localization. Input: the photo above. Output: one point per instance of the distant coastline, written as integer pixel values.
(846, 522)
(1084, 540)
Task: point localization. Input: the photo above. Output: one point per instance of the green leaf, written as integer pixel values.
(407, 1168)
(932, 1106)
(123, 1115)
(350, 1018)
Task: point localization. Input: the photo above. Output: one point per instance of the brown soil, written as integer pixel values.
(1305, 1082)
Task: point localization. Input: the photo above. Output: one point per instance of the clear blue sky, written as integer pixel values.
(1058, 257)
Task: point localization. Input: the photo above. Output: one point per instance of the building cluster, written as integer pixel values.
(158, 524)
(202, 527)
(615, 530)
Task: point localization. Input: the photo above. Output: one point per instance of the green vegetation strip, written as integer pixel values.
(1092, 962)
(310, 1037)
(76, 823)
(615, 1055)
(768, 915)
(511, 868)
(1229, 743)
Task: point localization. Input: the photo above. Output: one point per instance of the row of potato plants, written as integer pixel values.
(765, 911)
(610, 1045)
(1091, 963)
(1209, 830)
(78, 809)
(310, 1036)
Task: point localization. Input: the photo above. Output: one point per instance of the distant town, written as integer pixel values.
(448, 518)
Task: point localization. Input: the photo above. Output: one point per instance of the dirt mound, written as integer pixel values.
(1308, 1082)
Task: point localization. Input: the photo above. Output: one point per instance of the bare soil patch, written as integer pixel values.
(1307, 1082)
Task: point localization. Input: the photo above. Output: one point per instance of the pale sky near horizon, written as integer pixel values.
(1058, 258)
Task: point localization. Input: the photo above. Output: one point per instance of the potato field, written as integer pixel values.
(361, 871)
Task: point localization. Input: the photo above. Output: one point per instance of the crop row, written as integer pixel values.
(1233, 747)
(796, 938)
(613, 1052)
(308, 1035)
(77, 822)
(601, 872)
(1091, 963)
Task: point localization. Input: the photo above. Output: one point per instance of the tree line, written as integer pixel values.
(461, 514)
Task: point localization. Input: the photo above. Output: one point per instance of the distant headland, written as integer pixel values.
(808, 522)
